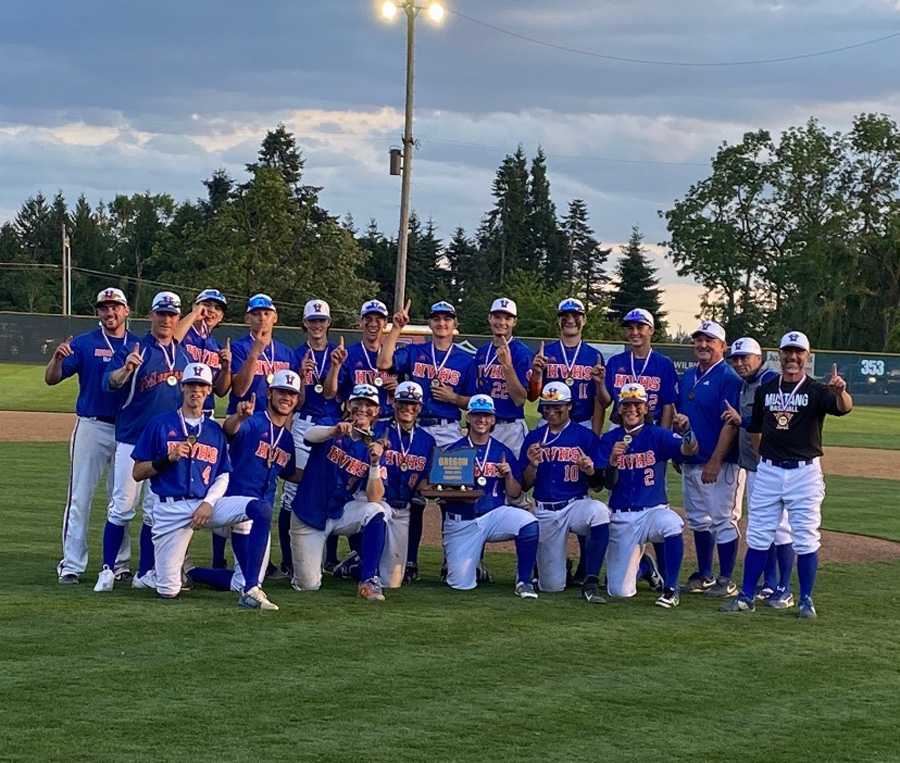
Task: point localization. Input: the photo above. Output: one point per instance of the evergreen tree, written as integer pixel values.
(637, 284)
(219, 188)
(91, 250)
(462, 263)
(381, 262)
(586, 259)
(546, 245)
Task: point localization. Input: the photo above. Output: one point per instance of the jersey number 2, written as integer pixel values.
(649, 478)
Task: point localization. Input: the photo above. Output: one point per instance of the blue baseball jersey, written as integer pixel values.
(560, 360)
(703, 402)
(486, 377)
(487, 457)
(188, 477)
(414, 451)
(92, 354)
(558, 476)
(316, 405)
(642, 468)
(250, 449)
(361, 368)
(414, 362)
(147, 393)
(657, 375)
(275, 357)
(203, 349)
(336, 469)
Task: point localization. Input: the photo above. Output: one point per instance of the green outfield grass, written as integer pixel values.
(430, 673)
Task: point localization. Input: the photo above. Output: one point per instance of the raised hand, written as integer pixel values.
(598, 373)
(680, 423)
(225, 353)
(539, 362)
(245, 408)
(618, 450)
(179, 450)
(534, 453)
(309, 363)
(376, 449)
(389, 382)
(63, 350)
(339, 354)
(504, 356)
(134, 358)
(730, 415)
(837, 382)
(586, 464)
(401, 317)
(503, 468)
(342, 428)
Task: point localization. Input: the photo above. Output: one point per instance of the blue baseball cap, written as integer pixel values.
(639, 315)
(442, 307)
(260, 302)
(481, 404)
(373, 306)
(571, 305)
(166, 302)
(211, 295)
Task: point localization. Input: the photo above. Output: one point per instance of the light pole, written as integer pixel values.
(389, 11)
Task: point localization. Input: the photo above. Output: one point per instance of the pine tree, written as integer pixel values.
(462, 261)
(587, 276)
(637, 284)
(546, 245)
(381, 262)
(219, 188)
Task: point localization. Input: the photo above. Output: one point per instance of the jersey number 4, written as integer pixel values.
(205, 474)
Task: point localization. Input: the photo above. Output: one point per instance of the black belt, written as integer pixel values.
(787, 464)
(636, 508)
(558, 505)
(431, 421)
(106, 419)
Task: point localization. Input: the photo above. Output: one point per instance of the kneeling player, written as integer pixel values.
(558, 460)
(184, 456)
(468, 525)
(639, 452)
(340, 494)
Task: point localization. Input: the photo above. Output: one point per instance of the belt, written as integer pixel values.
(431, 421)
(105, 419)
(787, 464)
(635, 508)
(171, 499)
(557, 505)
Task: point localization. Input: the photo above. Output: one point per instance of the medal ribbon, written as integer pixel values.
(106, 338)
(558, 434)
(317, 372)
(637, 377)
(483, 463)
(372, 367)
(702, 376)
(404, 452)
(570, 366)
(273, 440)
(784, 402)
(170, 362)
(438, 368)
(187, 434)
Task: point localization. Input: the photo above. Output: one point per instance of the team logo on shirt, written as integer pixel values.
(636, 460)
(264, 448)
(562, 454)
(209, 454)
(347, 462)
(103, 352)
(155, 379)
(426, 371)
(412, 461)
(649, 383)
(201, 355)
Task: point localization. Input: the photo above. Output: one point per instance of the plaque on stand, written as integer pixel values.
(453, 476)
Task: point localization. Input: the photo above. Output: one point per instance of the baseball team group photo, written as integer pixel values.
(282, 477)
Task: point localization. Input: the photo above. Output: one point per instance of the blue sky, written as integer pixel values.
(116, 98)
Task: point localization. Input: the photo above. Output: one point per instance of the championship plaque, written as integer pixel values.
(453, 475)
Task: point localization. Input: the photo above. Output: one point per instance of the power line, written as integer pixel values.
(654, 62)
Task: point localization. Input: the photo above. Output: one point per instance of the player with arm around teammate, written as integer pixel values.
(194, 331)
(342, 493)
(468, 525)
(639, 451)
(261, 449)
(93, 442)
(788, 413)
(559, 461)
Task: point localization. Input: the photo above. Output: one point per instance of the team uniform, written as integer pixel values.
(202, 347)
(713, 510)
(361, 367)
(93, 442)
(423, 363)
(276, 357)
(640, 507)
(405, 463)
(331, 500)
(575, 363)
(152, 389)
(656, 373)
(486, 378)
(468, 525)
(562, 502)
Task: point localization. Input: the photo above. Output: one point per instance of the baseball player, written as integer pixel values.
(468, 525)
(578, 365)
(93, 441)
(639, 451)
(558, 461)
(442, 370)
(643, 365)
(712, 480)
(148, 374)
(746, 359)
(500, 371)
(184, 455)
(341, 493)
(788, 413)
(261, 449)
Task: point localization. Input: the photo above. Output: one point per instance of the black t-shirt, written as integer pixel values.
(792, 429)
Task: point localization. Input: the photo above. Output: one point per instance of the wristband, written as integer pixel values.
(688, 437)
(160, 464)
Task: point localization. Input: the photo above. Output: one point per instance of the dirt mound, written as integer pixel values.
(27, 426)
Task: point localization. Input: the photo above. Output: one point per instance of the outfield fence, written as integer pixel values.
(873, 378)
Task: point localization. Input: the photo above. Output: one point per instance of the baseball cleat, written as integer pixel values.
(329, 566)
(371, 589)
(739, 603)
(256, 598)
(411, 573)
(780, 599)
(590, 591)
(651, 574)
(763, 593)
(124, 576)
(69, 578)
(147, 580)
(697, 583)
(722, 588)
(444, 572)
(483, 574)
(669, 599)
(106, 580)
(277, 573)
(805, 608)
(525, 591)
(347, 566)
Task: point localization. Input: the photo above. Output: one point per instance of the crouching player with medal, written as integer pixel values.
(638, 452)
(558, 460)
(261, 449)
(184, 455)
(341, 493)
(468, 525)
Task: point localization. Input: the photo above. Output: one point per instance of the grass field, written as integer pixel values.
(22, 388)
(432, 673)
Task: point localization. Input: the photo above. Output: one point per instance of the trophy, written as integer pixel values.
(453, 475)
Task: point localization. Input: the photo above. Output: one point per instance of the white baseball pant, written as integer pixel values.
(299, 428)
(628, 532)
(577, 517)
(715, 507)
(445, 434)
(393, 560)
(783, 531)
(800, 493)
(126, 492)
(464, 540)
(511, 434)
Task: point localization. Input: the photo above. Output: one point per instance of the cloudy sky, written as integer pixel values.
(107, 98)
